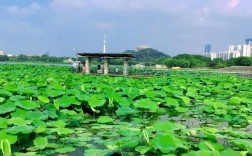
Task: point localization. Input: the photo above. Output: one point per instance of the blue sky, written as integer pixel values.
(170, 26)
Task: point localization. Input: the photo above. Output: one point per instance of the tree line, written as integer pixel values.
(148, 57)
(25, 58)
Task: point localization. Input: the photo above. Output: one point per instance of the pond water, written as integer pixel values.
(189, 122)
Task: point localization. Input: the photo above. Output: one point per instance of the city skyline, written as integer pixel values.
(170, 26)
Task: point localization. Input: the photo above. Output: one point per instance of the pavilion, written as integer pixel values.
(106, 56)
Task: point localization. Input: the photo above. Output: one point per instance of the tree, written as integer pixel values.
(243, 61)
(217, 63)
(4, 58)
(148, 56)
(22, 58)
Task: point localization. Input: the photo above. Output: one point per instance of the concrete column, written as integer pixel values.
(87, 65)
(106, 66)
(125, 67)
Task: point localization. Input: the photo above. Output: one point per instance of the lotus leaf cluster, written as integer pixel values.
(48, 110)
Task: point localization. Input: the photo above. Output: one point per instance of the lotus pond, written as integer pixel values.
(47, 110)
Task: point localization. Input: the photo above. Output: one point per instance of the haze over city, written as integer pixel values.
(171, 26)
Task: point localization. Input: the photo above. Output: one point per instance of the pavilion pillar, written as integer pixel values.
(87, 65)
(106, 66)
(125, 67)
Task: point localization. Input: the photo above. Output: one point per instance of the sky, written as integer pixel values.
(171, 26)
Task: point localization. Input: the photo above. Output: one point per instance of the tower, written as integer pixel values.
(104, 44)
(207, 48)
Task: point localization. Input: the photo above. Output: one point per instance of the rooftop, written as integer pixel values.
(107, 55)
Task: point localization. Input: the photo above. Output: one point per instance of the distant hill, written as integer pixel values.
(147, 55)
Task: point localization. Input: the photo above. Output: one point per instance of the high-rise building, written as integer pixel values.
(207, 48)
(233, 51)
(248, 41)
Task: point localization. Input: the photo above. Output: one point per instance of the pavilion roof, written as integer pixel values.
(107, 55)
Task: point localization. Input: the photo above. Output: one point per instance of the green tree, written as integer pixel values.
(4, 58)
(243, 61)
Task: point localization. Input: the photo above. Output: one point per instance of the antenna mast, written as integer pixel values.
(104, 44)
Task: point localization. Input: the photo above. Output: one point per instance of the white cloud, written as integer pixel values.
(233, 3)
(73, 4)
(16, 10)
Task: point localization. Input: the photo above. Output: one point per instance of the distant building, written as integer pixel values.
(233, 51)
(160, 66)
(140, 47)
(207, 48)
(2, 52)
(248, 41)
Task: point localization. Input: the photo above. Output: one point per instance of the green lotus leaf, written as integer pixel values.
(20, 113)
(208, 145)
(171, 101)
(51, 114)
(11, 138)
(230, 152)
(27, 91)
(108, 134)
(58, 123)
(37, 123)
(128, 142)
(54, 93)
(207, 109)
(82, 97)
(242, 143)
(64, 131)
(43, 99)
(181, 109)
(123, 102)
(185, 99)
(177, 93)
(235, 100)
(96, 152)
(133, 94)
(168, 126)
(72, 92)
(5, 93)
(95, 102)
(125, 111)
(150, 94)
(25, 129)
(10, 87)
(146, 104)
(40, 142)
(27, 104)
(25, 154)
(104, 119)
(142, 149)
(1, 99)
(167, 142)
(40, 129)
(130, 132)
(36, 115)
(3, 123)
(19, 121)
(7, 107)
(57, 86)
(220, 112)
(66, 101)
(246, 100)
(17, 98)
(203, 153)
(68, 112)
(110, 93)
(66, 149)
(191, 92)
